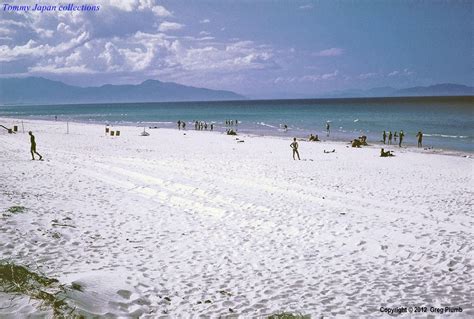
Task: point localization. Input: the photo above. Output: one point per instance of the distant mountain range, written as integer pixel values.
(37, 90)
(445, 89)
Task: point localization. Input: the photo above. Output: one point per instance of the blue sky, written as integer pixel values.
(257, 48)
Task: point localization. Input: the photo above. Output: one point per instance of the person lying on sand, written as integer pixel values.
(231, 132)
(294, 147)
(33, 147)
(385, 154)
(327, 152)
(356, 143)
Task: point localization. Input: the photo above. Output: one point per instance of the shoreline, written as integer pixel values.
(379, 144)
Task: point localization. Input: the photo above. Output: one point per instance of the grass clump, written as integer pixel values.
(14, 210)
(288, 315)
(15, 279)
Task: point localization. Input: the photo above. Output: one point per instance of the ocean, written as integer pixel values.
(446, 122)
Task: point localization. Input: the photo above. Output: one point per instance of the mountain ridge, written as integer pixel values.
(441, 89)
(39, 90)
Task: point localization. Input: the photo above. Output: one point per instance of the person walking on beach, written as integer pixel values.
(395, 135)
(401, 138)
(183, 125)
(390, 137)
(294, 147)
(327, 128)
(420, 139)
(384, 136)
(33, 147)
(179, 124)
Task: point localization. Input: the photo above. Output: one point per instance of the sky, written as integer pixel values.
(260, 48)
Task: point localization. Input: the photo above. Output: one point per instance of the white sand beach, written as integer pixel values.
(188, 223)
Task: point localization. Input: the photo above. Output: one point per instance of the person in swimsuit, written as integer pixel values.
(420, 139)
(33, 147)
(401, 138)
(294, 147)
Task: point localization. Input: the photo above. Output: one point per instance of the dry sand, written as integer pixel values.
(187, 223)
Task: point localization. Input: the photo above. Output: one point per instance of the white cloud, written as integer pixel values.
(365, 76)
(131, 42)
(5, 31)
(161, 11)
(169, 26)
(307, 78)
(205, 21)
(329, 76)
(330, 52)
(404, 72)
(52, 69)
(33, 49)
(306, 7)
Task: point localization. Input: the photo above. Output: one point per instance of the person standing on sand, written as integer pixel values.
(420, 139)
(294, 147)
(395, 135)
(384, 136)
(33, 147)
(327, 128)
(390, 137)
(401, 138)
(179, 124)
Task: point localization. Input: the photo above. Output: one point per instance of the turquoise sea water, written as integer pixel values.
(446, 122)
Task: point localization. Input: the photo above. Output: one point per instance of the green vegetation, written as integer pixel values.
(14, 210)
(20, 280)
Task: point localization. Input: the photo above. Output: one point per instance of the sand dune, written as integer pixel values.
(195, 223)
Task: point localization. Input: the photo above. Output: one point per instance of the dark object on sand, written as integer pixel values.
(117, 133)
(385, 153)
(356, 143)
(9, 130)
(144, 133)
(231, 132)
(327, 152)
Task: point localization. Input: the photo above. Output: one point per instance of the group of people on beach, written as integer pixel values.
(181, 124)
(201, 125)
(231, 122)
(387, 138)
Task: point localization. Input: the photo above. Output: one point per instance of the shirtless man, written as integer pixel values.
(33, 147)
(294, 147)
